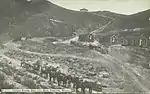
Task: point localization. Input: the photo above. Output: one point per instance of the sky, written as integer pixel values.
(119, 6)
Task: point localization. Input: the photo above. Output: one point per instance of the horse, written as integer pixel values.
(92, 85)
(64, 80)
(60, 77)
(37, 67)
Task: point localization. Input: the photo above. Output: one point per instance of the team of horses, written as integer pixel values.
(54, 75)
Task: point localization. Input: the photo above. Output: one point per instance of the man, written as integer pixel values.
(69, 78)
(22, 63)
(53, 75)
(64, 80)
(28, 66)
(83, 86)
(54, 69)
(59, 77)
(50, 76)
(49, 72)
(90, 85)
(76, 83)
(43, 71)
(47, 69)
(37, 66)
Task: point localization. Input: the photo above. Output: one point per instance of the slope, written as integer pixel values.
(20, 18)
(138, 20)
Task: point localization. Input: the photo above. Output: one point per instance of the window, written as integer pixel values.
(90, 37)
(113, 39)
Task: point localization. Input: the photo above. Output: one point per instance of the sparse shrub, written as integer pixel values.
(35, 77)
(29, 83)
(17, 78)
(2, 76)
(20, 73)
(7, 85)
(29, 76)
(1, 64)
(145, 65)
(7, 71)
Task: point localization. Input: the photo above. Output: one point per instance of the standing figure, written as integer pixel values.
(37, 67)
(64, 80)
(22, 63)
(49, 73)
(59, 78)
(76, 83)
(53, 74)
(69, 78)
(83, 86)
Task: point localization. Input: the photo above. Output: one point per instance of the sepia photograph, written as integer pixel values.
(74, 46)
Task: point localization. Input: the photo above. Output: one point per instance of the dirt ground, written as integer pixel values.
(120, 71)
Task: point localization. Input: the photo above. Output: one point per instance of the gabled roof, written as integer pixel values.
(134, 37)
(84, 9)
(85, 34)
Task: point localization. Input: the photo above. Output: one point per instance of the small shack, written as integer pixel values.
(84, 10)
(86, 38)
(140, 41)
(114, 39)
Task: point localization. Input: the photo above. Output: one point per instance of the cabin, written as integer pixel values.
(84, 10)
(23, 38)
(86, 38)
(103, 39)
(34, 1)
(131, 41)
(135, 41)
(148, 43)
(16, 39)
(143, 42)
(114, 39)
(108, 39)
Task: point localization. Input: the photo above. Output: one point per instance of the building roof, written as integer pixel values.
(127, 33)
(134, 37)
(85, 34)
(84, 9)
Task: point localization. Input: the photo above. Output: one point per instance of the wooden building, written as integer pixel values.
(84, 10)
(140, 41)
(86, 38)
(114, 39)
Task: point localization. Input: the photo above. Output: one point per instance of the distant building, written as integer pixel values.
(86, 38)
(28, 0)
(23, 38)
(135, 41)
(34, 1)
(84, 10)
(103, 39)
(114, 39)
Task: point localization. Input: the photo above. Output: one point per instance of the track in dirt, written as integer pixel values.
(107, 60)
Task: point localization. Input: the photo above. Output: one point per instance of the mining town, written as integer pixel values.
(46, 46)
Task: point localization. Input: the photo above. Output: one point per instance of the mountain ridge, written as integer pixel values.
(27, 17)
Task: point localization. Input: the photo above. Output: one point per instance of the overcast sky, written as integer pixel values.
(118, 6)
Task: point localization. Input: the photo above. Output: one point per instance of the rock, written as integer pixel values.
(104, 74)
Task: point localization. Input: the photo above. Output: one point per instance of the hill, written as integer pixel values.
(43, 18)
(37, 18)
(138, 20)
(14, 12)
